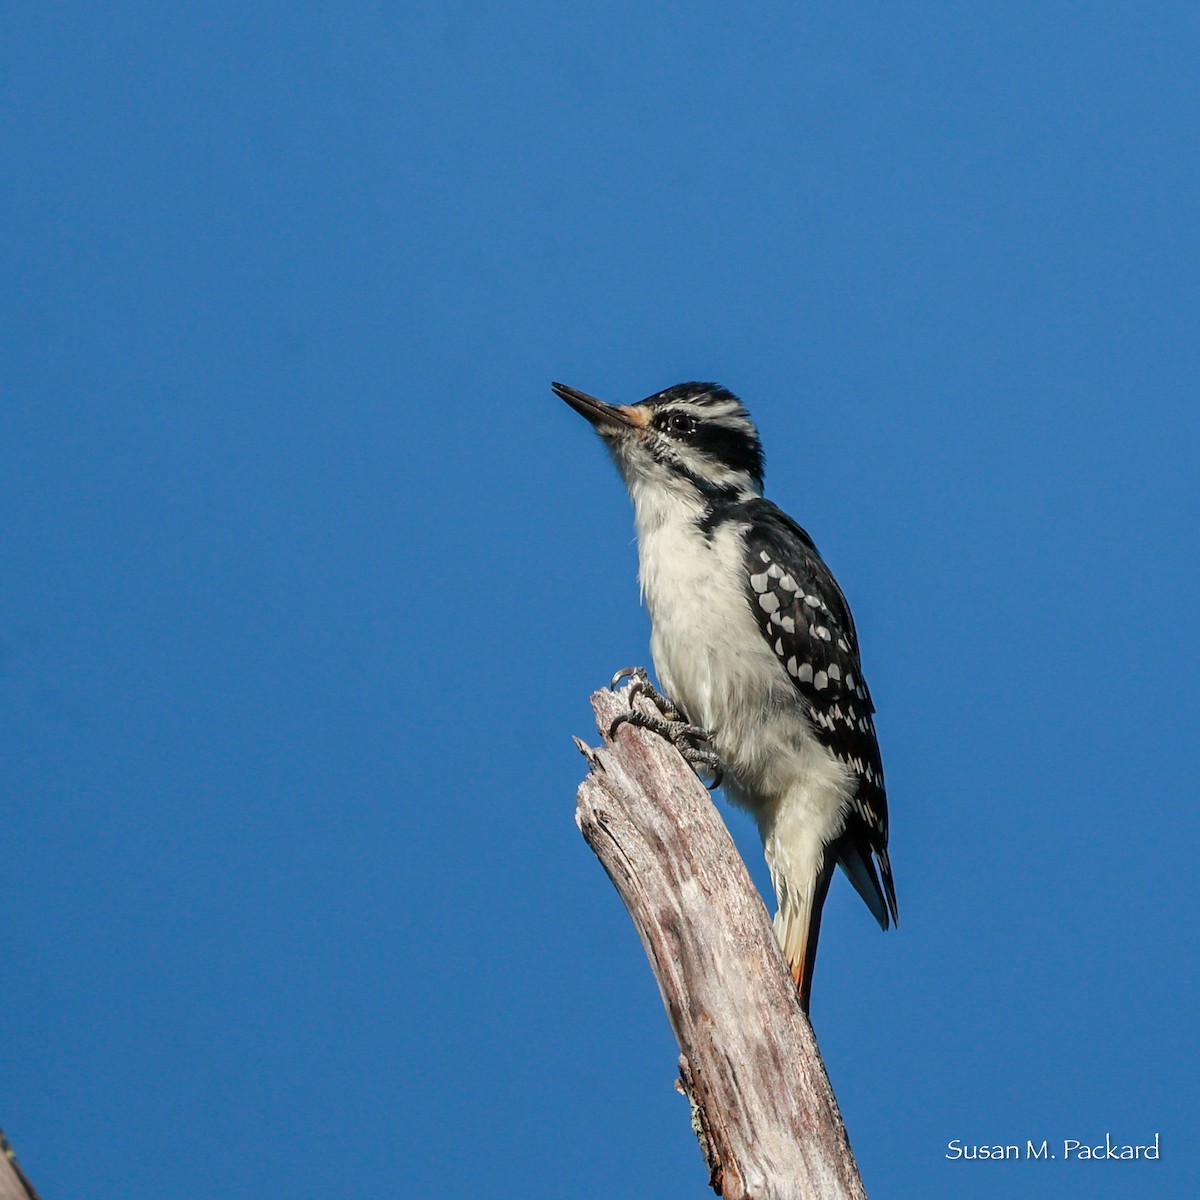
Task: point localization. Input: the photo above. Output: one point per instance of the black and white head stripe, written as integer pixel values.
(803, 615)
(704, 432)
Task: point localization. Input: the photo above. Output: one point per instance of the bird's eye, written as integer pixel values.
(681, 423)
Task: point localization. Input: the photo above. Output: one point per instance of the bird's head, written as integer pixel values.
(694, 439)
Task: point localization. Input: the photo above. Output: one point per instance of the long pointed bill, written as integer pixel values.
(607, 418)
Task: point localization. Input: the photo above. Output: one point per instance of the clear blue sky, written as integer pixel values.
(308, 576)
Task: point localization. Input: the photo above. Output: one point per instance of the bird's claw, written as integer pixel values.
(626, 673)
(705, 756)
(641, 686)
(693, 742)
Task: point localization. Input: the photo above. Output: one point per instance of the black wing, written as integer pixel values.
(803, 614)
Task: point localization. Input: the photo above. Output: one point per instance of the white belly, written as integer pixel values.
(713, 661)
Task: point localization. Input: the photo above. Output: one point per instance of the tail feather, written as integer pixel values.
(798, 928)
(856, 861)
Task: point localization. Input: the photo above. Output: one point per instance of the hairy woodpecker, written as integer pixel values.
(753, 640)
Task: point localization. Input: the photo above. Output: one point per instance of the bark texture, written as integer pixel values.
(13, 1184)
(762, 1107)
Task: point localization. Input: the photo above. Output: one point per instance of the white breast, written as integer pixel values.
(712, 659)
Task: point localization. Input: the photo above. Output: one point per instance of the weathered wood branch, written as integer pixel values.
(13, 1183)
(762, 1107)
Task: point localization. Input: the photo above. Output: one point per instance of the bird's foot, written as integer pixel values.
(641, 686)
(693, 742)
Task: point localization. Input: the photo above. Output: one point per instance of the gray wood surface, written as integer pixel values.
(762, 1106)
(13, 1184)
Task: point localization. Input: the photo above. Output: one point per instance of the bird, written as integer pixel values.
(754, 645)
